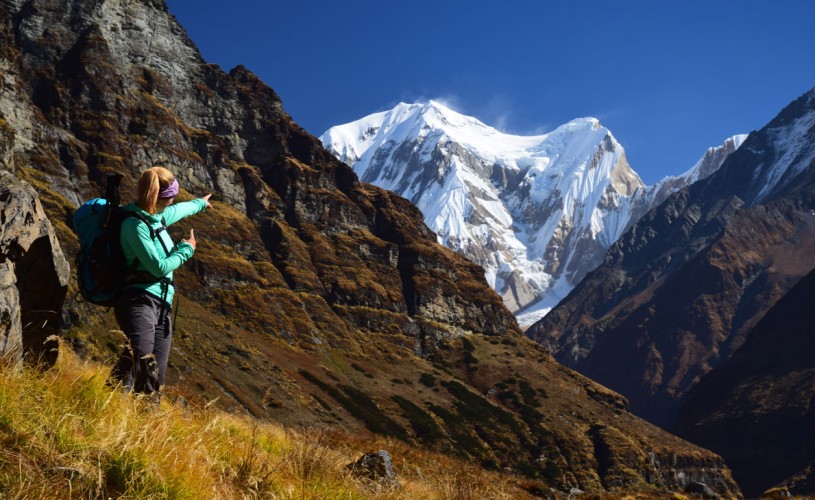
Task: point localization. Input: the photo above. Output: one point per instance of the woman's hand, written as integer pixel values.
(206, 199)
(191, 239)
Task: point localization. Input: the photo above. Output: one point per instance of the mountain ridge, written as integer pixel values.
(688, 282)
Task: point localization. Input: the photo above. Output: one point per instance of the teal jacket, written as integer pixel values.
(137, 245)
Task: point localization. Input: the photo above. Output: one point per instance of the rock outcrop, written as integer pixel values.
(375, 467)
(33, 275)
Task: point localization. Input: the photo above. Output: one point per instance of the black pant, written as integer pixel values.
(146, 322)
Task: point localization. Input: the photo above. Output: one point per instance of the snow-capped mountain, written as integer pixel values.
(537, 212)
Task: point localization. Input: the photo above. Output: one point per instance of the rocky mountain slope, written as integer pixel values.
(678, 293)
(536, 212)
(756, 409)
(313, 298)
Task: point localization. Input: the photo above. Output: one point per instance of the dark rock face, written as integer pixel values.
(33, 275)
(756, 409)
(679, 291)
(312, 298)
(620, 465)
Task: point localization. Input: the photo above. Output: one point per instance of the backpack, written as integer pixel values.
(101, 268)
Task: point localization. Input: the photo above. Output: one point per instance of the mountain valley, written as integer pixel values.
(313, 299)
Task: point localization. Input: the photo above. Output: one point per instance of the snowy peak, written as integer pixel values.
(785, 151)
(436, 115)
(707, 165)
(713, 159)
(350, 141)
(536, 212)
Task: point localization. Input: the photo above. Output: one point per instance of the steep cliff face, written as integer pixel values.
(33, 270)
(312, 298)
(756, 409)
(678, 292)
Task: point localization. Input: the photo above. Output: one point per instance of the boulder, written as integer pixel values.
(376, 467)
(779, 493)
(700, 489)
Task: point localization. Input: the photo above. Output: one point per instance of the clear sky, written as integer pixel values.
(669, 78)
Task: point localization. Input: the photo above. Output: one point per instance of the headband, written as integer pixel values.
(170, 191)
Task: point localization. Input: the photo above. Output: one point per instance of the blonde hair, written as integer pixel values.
(151, 182)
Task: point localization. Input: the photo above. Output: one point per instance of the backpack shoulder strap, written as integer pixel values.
(161, 240)
(154, 233)
(129, 213)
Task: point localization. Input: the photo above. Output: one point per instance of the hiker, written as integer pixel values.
(143, 308)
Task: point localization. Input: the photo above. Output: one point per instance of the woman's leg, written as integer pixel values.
(138, 315)
(161, 348)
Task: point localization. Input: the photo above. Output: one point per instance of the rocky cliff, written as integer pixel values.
(678, 293)
(312, 298)
(33, 271)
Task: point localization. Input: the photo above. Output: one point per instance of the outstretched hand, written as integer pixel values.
(191, 239)
(206, 199)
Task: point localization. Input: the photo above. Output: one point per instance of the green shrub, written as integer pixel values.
(427, 379)
(361, 406)
(473, 407)
(425, 428)
(528, 393)
(469, 349)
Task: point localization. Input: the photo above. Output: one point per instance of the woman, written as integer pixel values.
(143, 309)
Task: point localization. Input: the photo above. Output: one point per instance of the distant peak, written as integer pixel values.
(588, 127)
(438, 105)
(421, 106)
(736, 140)
(588, 122)
(435, 114)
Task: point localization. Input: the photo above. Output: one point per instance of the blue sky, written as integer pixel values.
(668, 78)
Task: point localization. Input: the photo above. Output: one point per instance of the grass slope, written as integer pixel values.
(65, 434)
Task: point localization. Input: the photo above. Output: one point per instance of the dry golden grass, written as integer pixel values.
(65, 433)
